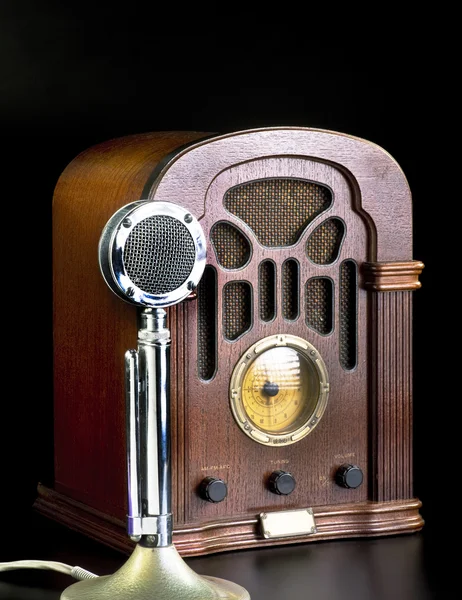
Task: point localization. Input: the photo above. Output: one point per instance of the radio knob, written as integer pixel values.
(213, 489)
(349, 476)
(281, 482)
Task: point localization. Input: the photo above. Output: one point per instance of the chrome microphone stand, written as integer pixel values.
(147, 389)
(155, 569)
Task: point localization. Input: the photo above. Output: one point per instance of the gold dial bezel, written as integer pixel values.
(235, 390)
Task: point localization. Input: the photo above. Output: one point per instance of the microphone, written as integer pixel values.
(152, 255)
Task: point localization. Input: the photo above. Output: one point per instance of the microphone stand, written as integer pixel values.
(155, 569)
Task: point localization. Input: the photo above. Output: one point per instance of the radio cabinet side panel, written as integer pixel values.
(92, 328)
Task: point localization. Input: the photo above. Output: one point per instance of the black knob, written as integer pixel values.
(213, 489)
(281, 482)
(270, 389)
(349, 476)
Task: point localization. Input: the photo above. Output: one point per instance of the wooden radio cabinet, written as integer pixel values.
(291, 366)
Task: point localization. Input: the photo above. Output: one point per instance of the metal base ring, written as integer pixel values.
(155, 574)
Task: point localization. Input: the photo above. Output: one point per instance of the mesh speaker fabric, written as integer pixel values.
(324, 243)
(348, 312)
(318, 303)
(278, 210)
(231, 246)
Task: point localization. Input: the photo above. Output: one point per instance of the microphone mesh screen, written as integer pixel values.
(159, 254)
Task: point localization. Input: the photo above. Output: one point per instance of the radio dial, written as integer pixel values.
(213, 489)
(279, 390)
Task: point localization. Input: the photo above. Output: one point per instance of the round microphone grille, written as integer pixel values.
(159, 254)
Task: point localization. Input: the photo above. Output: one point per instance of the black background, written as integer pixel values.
(72, 76)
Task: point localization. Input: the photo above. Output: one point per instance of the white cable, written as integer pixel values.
(75, 572)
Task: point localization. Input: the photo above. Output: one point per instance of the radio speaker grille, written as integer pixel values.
(290, 289)
(267, 290)
(237, 309)
(348, 309)
(278, 210)
(231, 246)
(207, 324)
(318, 302)
(324, 243)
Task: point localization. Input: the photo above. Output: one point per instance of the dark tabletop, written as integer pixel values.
(403, 567)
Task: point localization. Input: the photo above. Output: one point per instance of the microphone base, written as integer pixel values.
(155, 574)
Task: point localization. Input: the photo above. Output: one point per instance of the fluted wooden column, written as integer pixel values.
(391, 286)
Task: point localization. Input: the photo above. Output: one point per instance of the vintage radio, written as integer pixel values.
(291, 362)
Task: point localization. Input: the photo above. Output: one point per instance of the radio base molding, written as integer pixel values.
(368, 519)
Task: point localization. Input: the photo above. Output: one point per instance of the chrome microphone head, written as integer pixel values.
(152, 253)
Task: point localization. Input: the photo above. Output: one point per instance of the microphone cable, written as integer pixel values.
(75, 572)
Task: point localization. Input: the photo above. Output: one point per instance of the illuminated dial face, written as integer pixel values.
(279, 390)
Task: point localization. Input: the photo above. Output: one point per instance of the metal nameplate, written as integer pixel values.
(287, 523)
